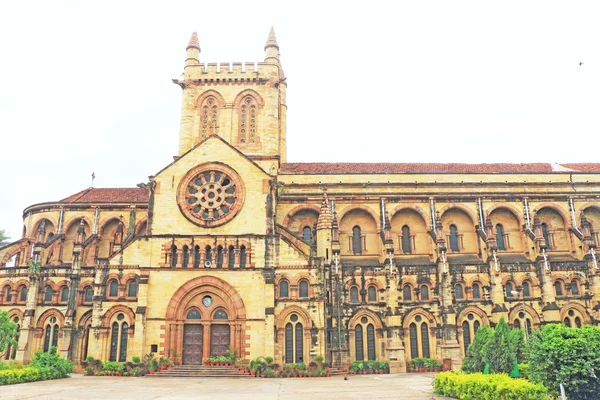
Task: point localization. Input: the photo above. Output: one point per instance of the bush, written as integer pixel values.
(51, 364)
(135, 359)
(558, 354)
(114, 367)
(368, 366)
(491, 387)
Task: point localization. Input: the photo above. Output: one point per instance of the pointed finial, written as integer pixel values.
(271, 40)
(193, 42)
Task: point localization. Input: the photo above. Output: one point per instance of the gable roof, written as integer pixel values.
(109, 195)
(440, 168)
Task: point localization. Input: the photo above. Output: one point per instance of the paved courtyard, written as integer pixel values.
(398, 386)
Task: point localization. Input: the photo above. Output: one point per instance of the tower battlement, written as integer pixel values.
(231, 72)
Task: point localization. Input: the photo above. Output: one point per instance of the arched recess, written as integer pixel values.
(592, 214)
(300, 218)
(71, 236)
(293, 329)
(111, 312)
(511, 224)
(84, 335)
(43, 323)
(419, 338)
(557, 224)
(359, 231)
(50, 228)
(458, 224)
(577, 311)
(107, 233)
(468, 321)
(12, 252)
(141, 226)
(206, 294)
(411, 221)
(365, 335)
(515, 314)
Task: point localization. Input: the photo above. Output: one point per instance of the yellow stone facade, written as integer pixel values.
(230, 246)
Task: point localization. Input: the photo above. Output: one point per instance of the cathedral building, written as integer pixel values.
(231, 246)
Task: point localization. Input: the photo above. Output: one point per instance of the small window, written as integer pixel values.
(231, 257)
(508, 288)
(8, 295)
(578, 322)
(574, 288)
(220, 314)
(23, 294)
(424, 293)
(132, 288)
(307, 234)
(354, 294)
(243, 256)
(173, 256)
(406, 247)
(372, 293)
(558, 288)
(196, 256)
(303, 289)
(193, 314)
(48, 295)
(88, 294)
(64, 294)
(454, 238)
(476, 291)
(356, 240)
(185, 257)
(283, 289)
(500, 237)
(526, 289)
(458, 292)
(208, 256)
(407, 293)
(220, 257)
(113, 288)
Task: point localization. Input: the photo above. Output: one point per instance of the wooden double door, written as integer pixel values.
(195, 348)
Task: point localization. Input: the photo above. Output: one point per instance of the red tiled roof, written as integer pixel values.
(418, 168)
(109, 195)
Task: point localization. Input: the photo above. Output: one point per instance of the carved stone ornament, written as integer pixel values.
(210, 194)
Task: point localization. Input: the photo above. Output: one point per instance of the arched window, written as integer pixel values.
(454, 238)
(283, 289)
(424, 293)
(353, 294)
(574, 288)
(243, 256)
(48, 295)
(113, 288)
(231, 257)
(358, 341)
(407, 293)
(248, 117)
(475, 326)
(208, 256)
(303, 289)
(64, 294)
(294, 340)
(185, 258)
(220, 257)
(118, 339)
(307, 234)
(558, 288)
(51, 334)
(196, 256)
(508, 288)
(414, 341)
(193, 314)
(425, 339)
(466, 335)
(88, 294)
(406, 247)
(546, 234)
(220, 314)
(371, 293)
(526, 289)
(476, 291)
(371, 342)
(356, 240)
(132, 288)
(173, 256)
(578, 322)
(500, 237)
(458, 292)
(8, 294)
(209, 117)
(23, 293)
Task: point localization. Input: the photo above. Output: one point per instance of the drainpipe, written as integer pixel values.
(575, 229)
(432, 211)
(528, 229)
(481, 229)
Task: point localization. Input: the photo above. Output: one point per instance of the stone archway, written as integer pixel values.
(205, 317)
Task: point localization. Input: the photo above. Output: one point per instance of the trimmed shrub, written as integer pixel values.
(491, 387)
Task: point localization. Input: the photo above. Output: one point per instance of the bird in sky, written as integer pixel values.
(580, 63)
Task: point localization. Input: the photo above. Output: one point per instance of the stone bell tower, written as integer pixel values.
(243, 103)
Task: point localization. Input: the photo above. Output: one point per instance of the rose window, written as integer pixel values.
(210, 195)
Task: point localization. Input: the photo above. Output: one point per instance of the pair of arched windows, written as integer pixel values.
(118, 339)
(572, 319)
(51, 334)
(294, 340)
(361, 332)
(407, 293)
(113, 288)
(419, 338)
(48, 294)
(559, 288)
(371, 294)
(509, 288)
(469, 327)
(284, 289)
(247, 118)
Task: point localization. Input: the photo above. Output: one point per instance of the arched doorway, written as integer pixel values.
(205, 317)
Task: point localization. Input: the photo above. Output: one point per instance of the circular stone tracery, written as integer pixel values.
(210, 194)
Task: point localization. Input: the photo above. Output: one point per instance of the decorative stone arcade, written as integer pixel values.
(204, 318)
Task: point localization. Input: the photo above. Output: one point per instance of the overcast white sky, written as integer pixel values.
(86, 86)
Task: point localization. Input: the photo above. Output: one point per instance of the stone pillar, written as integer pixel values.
(394, 346)
(96, 345)
(138, 344)
(450, 346)
(24, 347)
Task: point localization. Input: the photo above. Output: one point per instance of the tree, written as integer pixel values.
(500, 352)
(8, 332)
(473, 362)
(571, 356)
(3, 238)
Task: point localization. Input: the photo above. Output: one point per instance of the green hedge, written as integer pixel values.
(491, 387)
(44, 366)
